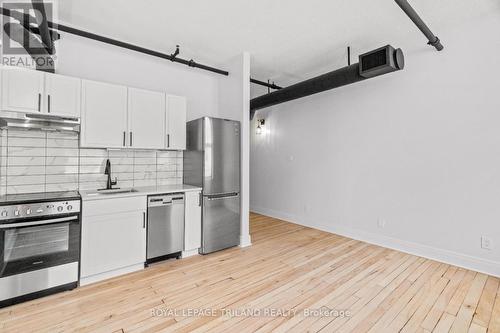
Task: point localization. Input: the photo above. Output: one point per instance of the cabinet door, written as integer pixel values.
(146, 118)
(62, 95)
(104, 115)
(176, 123)
(112, 242)
(22, 90)
(192, 234)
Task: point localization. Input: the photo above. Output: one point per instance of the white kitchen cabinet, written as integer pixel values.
(146, 119)
(176, 123)
(113, 238)
(104, 115)
(62, 95)
(22, 90)
(192, 234)
(31, 91)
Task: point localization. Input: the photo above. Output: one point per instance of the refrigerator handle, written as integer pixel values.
(222, 197)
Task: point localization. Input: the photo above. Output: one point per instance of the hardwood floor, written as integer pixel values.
(359, 287)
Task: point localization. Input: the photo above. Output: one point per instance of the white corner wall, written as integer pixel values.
(417, 150)
(234, 104)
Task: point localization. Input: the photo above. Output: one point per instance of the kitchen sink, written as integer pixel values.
(116, 190)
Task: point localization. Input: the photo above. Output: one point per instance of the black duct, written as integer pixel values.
(374, 63)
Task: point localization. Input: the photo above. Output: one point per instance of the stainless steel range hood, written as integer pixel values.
(35, 121)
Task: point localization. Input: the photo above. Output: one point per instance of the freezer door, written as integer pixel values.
(221, 222)
(221, 142)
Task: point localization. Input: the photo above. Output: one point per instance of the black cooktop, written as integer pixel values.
(25, 198)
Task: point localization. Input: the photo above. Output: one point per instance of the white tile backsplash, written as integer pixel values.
(36, 161)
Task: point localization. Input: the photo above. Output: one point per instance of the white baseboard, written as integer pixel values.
(190, 253)
(450, 257)
(110, 274)
(245, 241)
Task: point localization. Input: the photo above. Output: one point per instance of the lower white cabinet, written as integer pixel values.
(113, 242)
(192, 234)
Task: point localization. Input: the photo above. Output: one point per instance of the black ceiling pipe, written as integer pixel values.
(266, 84)
(107, 40)
(43, 27)
(412, 14)
(374, 63)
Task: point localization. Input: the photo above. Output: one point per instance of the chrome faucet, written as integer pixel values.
(107, 171)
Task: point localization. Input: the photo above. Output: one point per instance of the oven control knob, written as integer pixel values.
(70, 207)
(60, 208)
(4, 213)
(28, 211)
(16, 213)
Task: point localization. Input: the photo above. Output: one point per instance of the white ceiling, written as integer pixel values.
(289, 40)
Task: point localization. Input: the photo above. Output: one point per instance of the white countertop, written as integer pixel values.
(139, 191)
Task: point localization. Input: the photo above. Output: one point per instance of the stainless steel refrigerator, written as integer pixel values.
(212, 161)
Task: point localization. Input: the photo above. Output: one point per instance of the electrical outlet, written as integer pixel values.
(381, 223)
(486, 243)
(307, 208)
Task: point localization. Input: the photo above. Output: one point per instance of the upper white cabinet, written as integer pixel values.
(104, 115)
(176, 123)
(146, 119)
(112, 116)
(31, 91)
(120, 117)
(62, 95)
(22, 90)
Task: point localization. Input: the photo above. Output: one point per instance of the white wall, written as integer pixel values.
(234, 104)
(93, 60)
(419, 149)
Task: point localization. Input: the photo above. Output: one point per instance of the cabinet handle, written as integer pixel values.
(48, 103)
(144, 220)
(39, 102)
(168, 140)
(124, 139)
(130, 139)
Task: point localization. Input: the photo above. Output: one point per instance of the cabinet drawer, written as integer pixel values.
(113, 206)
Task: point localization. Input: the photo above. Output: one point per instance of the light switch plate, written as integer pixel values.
(486, 243)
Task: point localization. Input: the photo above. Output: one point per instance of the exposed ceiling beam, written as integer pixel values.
(371, 64)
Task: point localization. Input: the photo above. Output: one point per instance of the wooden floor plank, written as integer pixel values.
(288, 267)
(494, 325)
(482, 316)
(471, 300)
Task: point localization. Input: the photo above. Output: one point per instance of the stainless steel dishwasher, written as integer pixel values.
(165, 227)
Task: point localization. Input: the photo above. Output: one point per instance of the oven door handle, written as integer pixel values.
(33, 224)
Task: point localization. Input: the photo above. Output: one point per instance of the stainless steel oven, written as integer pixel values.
(39, 249)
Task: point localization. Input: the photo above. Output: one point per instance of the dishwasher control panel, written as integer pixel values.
(166, 199)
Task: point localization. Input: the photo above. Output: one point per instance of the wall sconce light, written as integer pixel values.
(260, 126)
